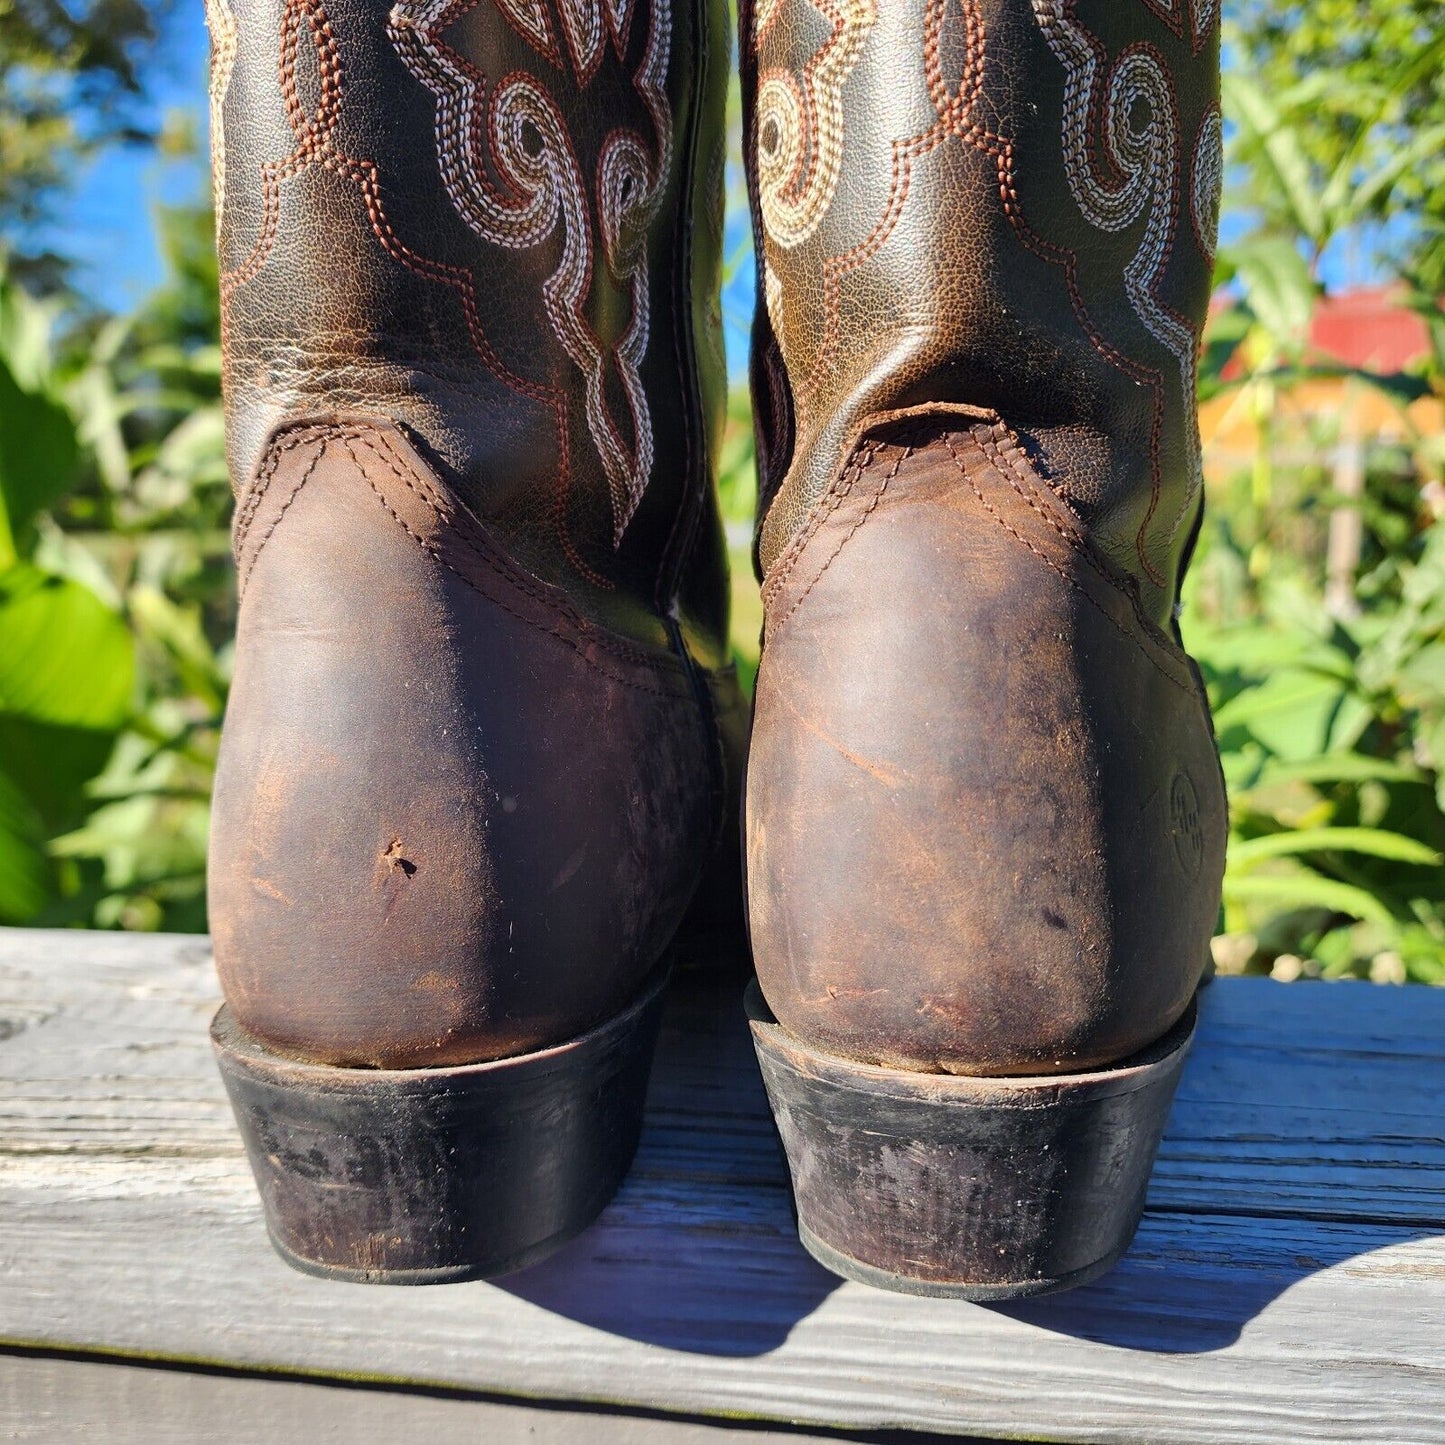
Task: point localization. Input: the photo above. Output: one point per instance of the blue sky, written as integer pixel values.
(105, 224)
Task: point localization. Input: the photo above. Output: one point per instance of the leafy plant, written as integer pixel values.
(1340, 110)
(66, 659)
(1331, 743)
(116, 613)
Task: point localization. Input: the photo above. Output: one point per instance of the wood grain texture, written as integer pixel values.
(46, 1400)
(1288, 1282)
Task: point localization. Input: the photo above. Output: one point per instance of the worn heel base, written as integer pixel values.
(430, 1176)
(970, 1188)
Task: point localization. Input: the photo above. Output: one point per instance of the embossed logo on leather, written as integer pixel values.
(1185, 826)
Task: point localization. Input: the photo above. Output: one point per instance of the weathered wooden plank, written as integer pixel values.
(1289, 1280)
(67, 1401)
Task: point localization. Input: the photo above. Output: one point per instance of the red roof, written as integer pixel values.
(1369, 330)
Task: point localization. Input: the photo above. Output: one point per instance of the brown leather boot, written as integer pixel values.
(483, 730)
(985, 815)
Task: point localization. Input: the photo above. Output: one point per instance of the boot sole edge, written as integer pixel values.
(961, 1187)
(431, 1176)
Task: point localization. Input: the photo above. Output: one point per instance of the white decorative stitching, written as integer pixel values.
(1141, 142)
(1206, 182)
(529, 19)
(1206, 12)
(544, 190)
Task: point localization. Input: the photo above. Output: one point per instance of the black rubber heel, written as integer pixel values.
(427, 1176)
(975, 1188)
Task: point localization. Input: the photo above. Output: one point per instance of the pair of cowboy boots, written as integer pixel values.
(480, 775)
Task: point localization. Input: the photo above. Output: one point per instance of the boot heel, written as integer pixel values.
(426, 1176)
(975, 1188)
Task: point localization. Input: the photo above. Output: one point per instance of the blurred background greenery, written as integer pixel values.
(1316, 605)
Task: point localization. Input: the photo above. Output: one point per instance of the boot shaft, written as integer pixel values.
(999, 203)
(473, 219)
(986, 820)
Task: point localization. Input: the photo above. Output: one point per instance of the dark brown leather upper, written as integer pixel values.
(985, 816)
(454, 819)
(986, 819)
(483, 730)
(474, 218)
(1005, 203)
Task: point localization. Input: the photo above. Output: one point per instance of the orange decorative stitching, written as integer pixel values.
(543, 194)
(316, 147)
(955, 112)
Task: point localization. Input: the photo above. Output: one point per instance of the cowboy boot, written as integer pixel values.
(483, 727)
(985, 816)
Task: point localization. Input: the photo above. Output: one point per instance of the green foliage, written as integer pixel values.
(1331, 736)
(1328, 704)
(66, 659)
(115, 606)
(1341, 117)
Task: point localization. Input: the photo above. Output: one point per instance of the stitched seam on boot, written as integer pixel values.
(868, 510)
(252, 497)
(243, 579)
(563, 620)
(417, 483)
(324, 436)
(837, 494)
(420, 485)
(1003, 449)
(1049, 562)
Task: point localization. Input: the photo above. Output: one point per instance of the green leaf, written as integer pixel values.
(24, 874)
(1376, 842)
(1263, 126)
(1340, 768)
(65, 658)
(1278, 286)
(39, 453)
(1421, 682)
(1307, 890)
(66, 673)
(1291, 712)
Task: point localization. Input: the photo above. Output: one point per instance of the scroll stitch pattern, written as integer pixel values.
(1146, 189)
(544, 191)
(221, 22)
(316, 146)
(799, 125)
(1147, 161)
(1206, 182)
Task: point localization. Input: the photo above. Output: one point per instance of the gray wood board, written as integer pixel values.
(46, 1400)
(1288, 1282)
